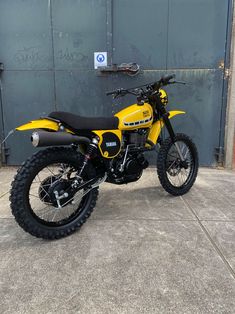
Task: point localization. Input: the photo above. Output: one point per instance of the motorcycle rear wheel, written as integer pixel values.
(175, 176)
(32, 195)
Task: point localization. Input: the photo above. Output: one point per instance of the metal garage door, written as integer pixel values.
(47, 49)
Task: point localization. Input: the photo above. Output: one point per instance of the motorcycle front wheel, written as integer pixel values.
(41, 199)
(177, 176)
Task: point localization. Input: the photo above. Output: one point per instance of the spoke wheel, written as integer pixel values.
(42, 195)
(177, 164)
(42, 200)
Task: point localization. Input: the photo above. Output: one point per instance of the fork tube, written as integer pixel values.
(169, 126)
(172, 135)
(165, 114)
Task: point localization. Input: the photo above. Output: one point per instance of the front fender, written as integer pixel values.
(158, 125)
(173, 113)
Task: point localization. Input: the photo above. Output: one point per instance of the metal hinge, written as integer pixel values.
(227, 71)
(219, 155)
(5, 152)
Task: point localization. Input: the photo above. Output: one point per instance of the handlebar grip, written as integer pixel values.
(167, 78)
(111, 93)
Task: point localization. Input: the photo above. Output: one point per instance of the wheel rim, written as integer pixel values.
(178, 173)
(43, 205)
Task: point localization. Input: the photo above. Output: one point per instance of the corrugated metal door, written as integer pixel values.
(27, 88)
(47, 49)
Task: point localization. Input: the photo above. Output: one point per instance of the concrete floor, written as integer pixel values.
(142, 251)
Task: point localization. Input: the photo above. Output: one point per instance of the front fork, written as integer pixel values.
(165, 117)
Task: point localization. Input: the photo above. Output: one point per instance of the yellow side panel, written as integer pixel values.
(135, 117)
(39, 124)
(100, 133)
(158, 125)
(155, 131)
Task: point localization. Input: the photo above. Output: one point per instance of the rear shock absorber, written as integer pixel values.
(91, 149)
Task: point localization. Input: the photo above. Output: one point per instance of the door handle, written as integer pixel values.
(128, 68)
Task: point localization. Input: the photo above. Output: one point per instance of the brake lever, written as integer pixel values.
(117, 96)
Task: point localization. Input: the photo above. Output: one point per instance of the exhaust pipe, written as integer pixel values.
(43, 138)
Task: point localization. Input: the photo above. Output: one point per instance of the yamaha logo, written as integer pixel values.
(111, 144)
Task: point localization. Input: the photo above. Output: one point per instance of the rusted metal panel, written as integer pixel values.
(79, 29)
(140, 32)
(197, 33)
(26, 95)
(83, 93)
(25, 35)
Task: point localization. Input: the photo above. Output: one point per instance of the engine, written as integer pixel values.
(129, 169)
(137, 138)
(134, 164)
(128, 165)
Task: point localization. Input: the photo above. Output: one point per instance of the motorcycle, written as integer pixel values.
(56, 189)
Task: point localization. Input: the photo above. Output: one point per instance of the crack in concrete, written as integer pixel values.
(3, 194)
(217, 249)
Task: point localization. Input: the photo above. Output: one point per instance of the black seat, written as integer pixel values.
(85, 123)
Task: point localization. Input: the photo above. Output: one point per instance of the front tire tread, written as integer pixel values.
(161, 165)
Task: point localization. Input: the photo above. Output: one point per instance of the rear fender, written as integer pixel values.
(158, 125)
(41, 124)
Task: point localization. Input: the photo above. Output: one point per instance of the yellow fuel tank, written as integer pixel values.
(135, 117)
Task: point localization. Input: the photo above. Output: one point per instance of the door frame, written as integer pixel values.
(229, 136)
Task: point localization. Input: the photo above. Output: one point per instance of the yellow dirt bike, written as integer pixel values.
(55, 190)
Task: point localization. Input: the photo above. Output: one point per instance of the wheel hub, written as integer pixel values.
(60, 190)
(52, 188)
(184, 164)
(174, 167)
(44, 188)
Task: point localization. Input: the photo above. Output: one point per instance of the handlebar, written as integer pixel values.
(144, 90)
(119, 92)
